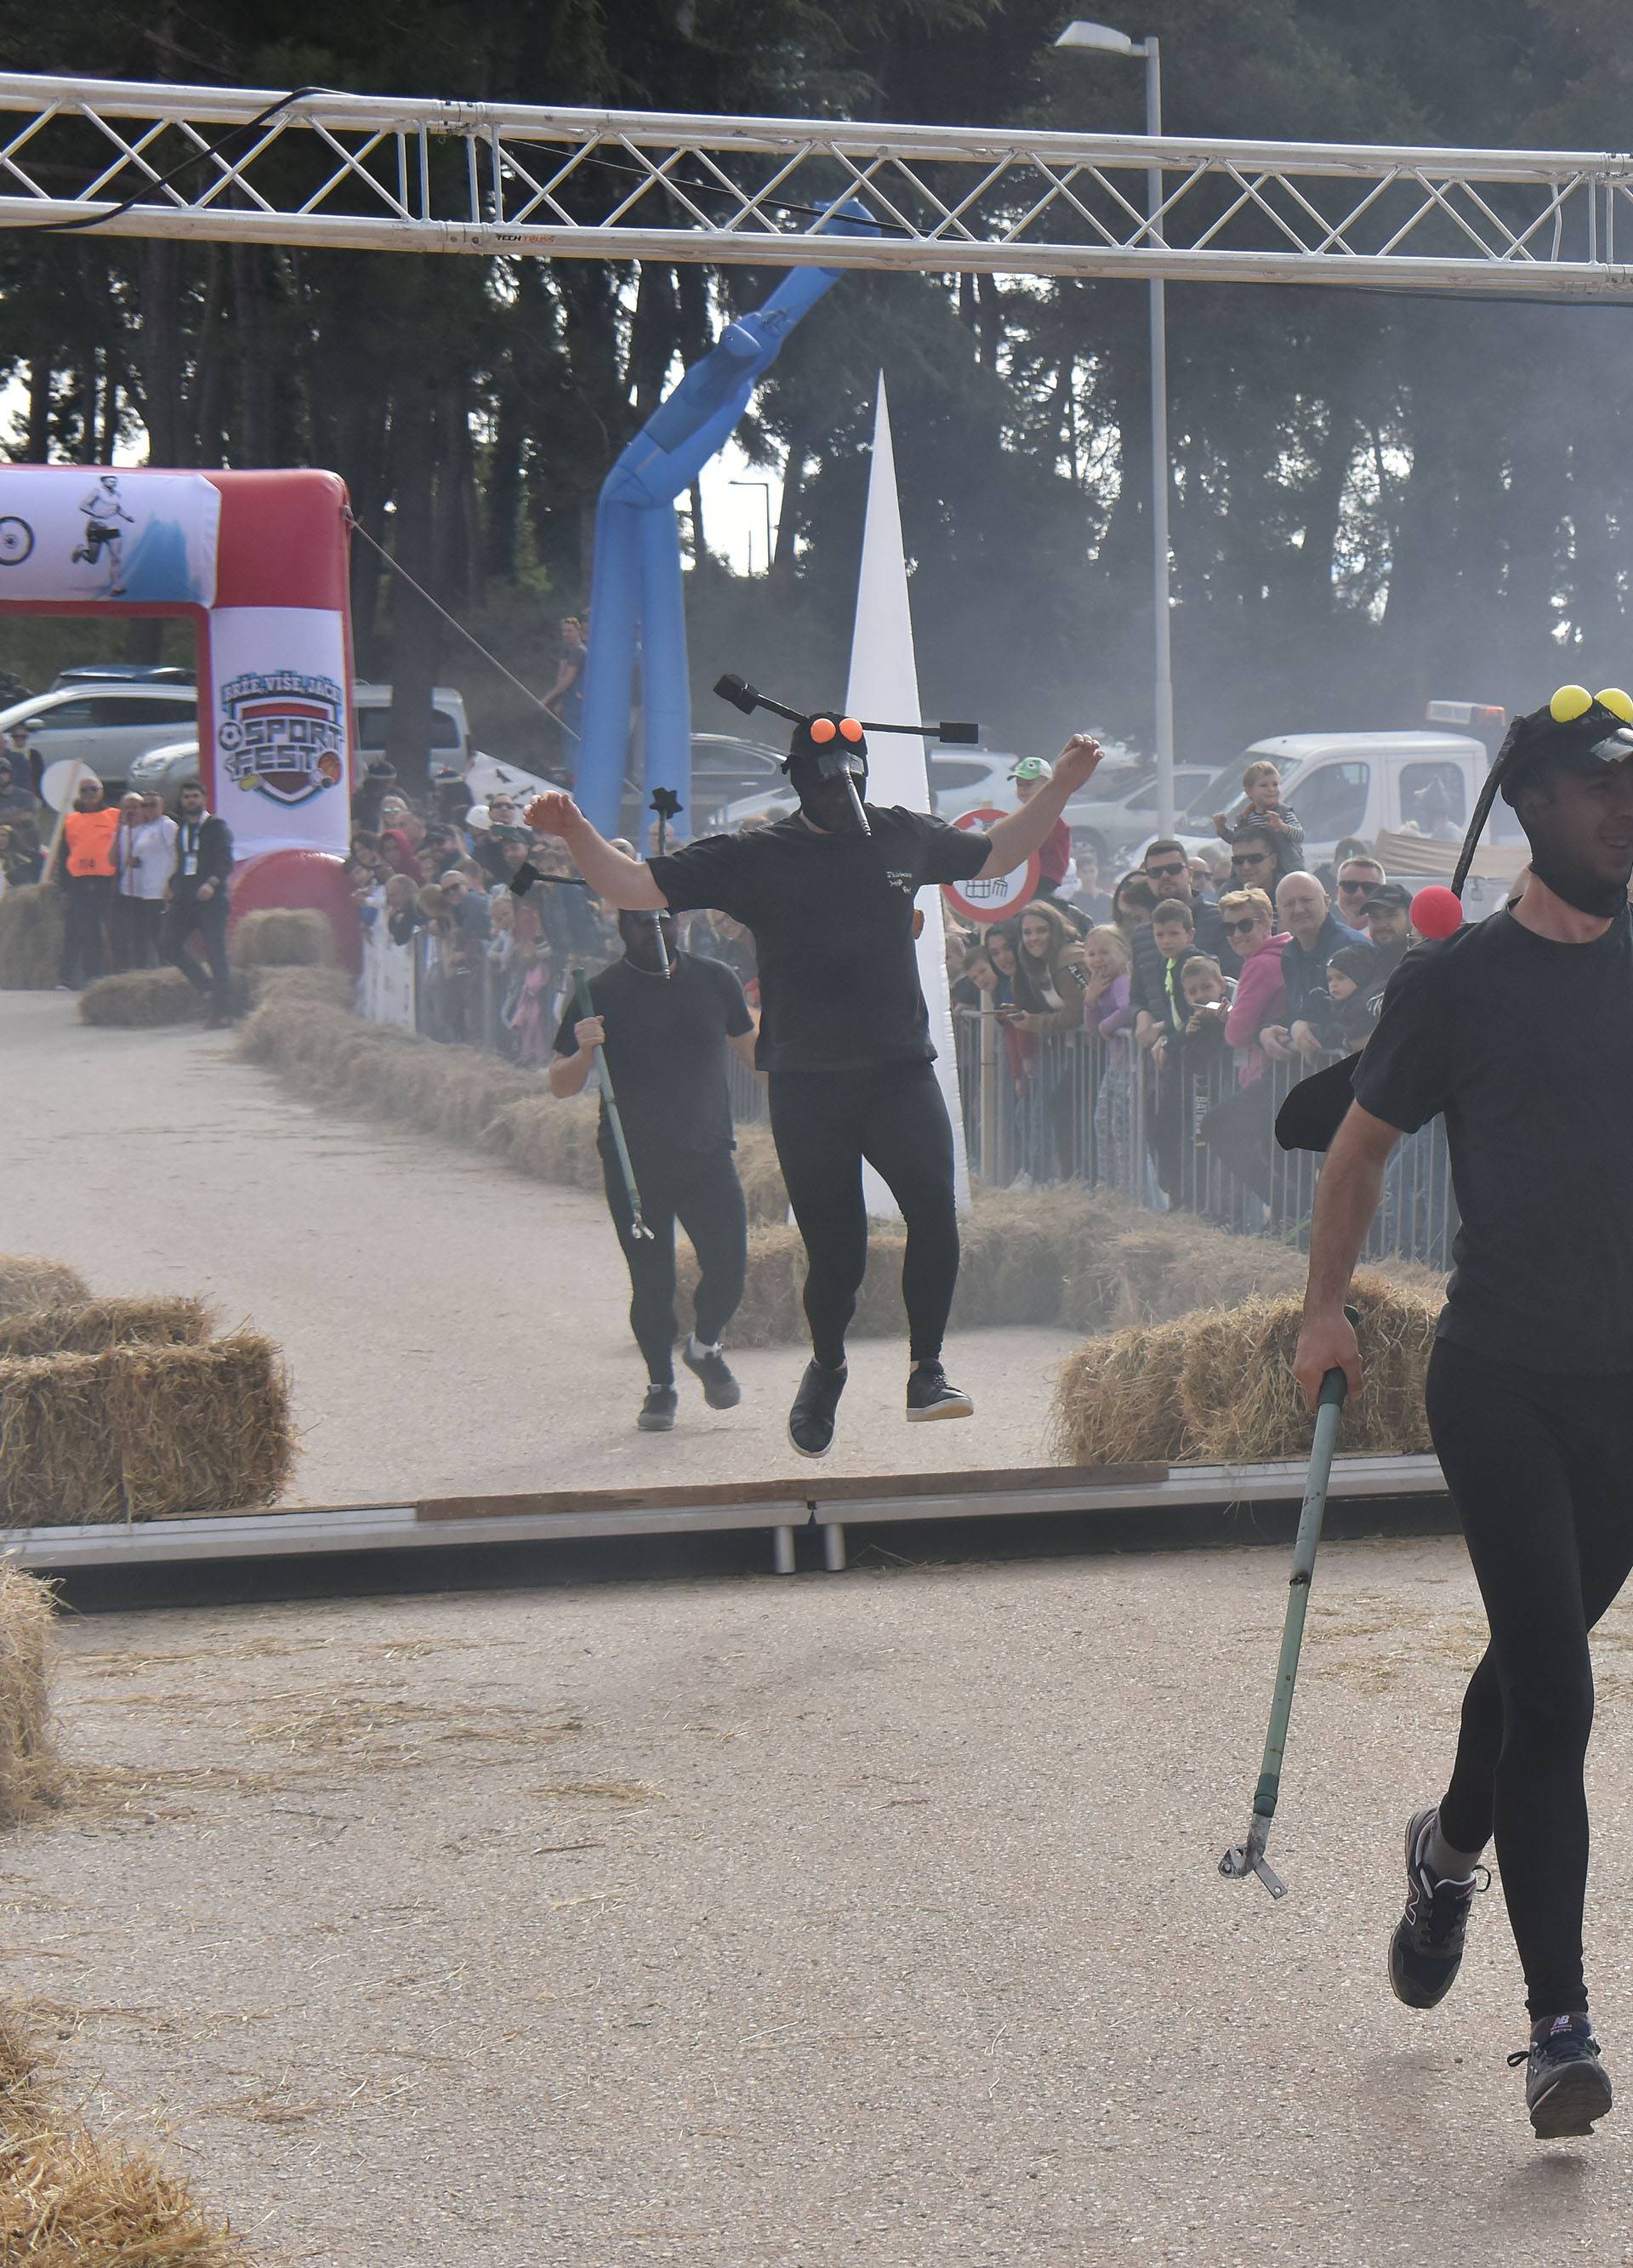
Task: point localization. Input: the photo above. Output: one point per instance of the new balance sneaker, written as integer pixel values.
(811, 1420)
(1567, 2086)
(721, 1390)
(930, 1394)
(1427, 1947)
(658, 1410)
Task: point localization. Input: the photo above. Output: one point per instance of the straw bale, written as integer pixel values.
(31, 938)
(1117, 1401)
(26, 1285)
(282, 937)
(765, 1192)
(330, 988)
(92, 1326)
(141, 997)
(30, 1773)
(71, 2198)
(1240, 1399)
(549, 1137)
(143, 1432)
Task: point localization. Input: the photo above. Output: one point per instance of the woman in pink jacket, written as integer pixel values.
(1250, 930)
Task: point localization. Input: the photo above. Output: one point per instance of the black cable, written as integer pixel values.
(196, 158)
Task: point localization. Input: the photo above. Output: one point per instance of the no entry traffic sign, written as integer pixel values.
(990, 897)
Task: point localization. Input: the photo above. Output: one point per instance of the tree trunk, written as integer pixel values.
(41, 385)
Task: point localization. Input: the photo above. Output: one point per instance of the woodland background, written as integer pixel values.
(1377, 498)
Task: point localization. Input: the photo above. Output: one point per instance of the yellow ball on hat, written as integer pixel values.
(1618, 703)
(1570, 702)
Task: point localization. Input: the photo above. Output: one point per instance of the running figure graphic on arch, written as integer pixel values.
(103, 510)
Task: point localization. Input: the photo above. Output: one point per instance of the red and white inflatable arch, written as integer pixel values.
(258, 560)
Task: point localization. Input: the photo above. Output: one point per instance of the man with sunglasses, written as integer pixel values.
(1356, 879)
(1260, 858)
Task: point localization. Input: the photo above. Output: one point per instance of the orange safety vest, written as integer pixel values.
(90, 838)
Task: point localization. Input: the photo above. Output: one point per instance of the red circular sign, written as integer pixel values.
(992, 897)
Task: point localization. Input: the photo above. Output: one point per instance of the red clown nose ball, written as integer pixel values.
(1437, 911)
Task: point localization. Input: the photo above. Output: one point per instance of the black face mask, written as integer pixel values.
(1569, 879)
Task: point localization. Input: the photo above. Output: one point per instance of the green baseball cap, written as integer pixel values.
(1032, 768)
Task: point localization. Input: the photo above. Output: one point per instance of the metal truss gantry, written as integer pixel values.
(383, 173)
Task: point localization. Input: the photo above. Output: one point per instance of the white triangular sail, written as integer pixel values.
(884, 682)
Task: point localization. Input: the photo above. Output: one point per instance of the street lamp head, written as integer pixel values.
(1100, 36)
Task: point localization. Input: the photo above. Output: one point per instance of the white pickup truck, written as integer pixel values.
(1367, 784)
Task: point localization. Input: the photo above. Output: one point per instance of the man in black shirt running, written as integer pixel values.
(1520, 1031)
(844, 1037)
(666, 1037)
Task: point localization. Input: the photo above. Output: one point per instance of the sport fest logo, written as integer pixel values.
(282, 735)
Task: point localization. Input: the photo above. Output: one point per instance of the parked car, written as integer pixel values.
(124, 673)
(107, 726)
(1116, 816)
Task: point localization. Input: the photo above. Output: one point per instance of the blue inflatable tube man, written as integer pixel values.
(637, 602)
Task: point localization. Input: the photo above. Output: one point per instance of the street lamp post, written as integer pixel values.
(1100, 38)
(765, 494)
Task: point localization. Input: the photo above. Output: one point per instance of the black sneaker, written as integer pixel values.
(1567, 2086)
(1427, 1947)
(658, 1410)
(931, 1395)
(811, 1420)
(721, 1390)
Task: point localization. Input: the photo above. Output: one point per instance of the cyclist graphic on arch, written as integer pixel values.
(104, 510)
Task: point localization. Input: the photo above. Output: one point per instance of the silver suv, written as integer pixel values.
(108, 726)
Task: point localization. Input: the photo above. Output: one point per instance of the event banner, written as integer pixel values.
(281, 705)
(80, 536)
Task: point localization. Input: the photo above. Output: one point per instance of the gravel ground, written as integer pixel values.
(452, 1328)
(868, 1919)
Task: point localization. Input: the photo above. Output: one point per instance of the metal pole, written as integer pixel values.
(1165, 814)
(989, 1033)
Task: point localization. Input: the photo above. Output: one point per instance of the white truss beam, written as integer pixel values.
(382, 173)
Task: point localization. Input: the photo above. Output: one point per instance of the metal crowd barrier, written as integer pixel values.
(1188, 1138)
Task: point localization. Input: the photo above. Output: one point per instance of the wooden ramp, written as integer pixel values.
(776, 1508)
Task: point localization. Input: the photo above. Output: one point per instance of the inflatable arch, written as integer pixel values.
(258, 560)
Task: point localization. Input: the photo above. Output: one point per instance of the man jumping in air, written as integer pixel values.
(844, 1037)
(1518, 1030)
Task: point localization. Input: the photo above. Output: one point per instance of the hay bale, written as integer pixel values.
(92, 1326)
(282, 937)
(548, 1138)
(67, 2196)
(141, 997)
(1241, 1403)
(26, 1285)
(1116, 1401)
(329, 988)
(142, 1432)
(30, 1773)
(765, 1192)
(1216, 1387)
(31, 938)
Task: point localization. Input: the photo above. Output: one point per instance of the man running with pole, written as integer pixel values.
(664, 1020)
(1518, 1030)
(844, 1038)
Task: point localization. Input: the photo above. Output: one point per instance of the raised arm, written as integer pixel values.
(624, 881)
(1346, 1198)
(1015, 838)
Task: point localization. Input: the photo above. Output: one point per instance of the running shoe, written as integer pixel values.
(721, 1390)
(1427, 1947)
(1567, 2086)
(658, 1410)
(930, 1394)
(811, 1420)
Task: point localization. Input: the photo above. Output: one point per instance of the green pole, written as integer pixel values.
(586, 1007)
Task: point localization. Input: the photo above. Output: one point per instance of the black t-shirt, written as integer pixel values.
(1527, 1046)
(665, 1052)
(833, 921)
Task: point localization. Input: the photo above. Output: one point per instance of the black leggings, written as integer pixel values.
(1540, 1469)
(706, 1197)
(825, 1125)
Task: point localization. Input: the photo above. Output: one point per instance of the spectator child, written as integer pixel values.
(1107, 963)
(1132, 903)
(1261, 785)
